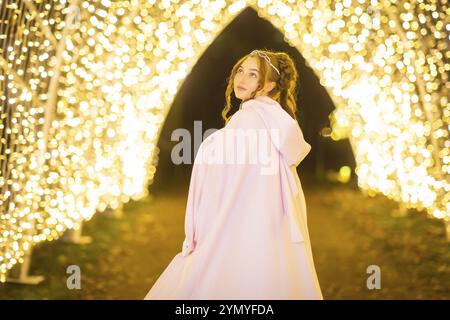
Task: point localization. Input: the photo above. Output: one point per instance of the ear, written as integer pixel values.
(270, 85)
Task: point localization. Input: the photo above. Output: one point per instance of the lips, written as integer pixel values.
(240, 88)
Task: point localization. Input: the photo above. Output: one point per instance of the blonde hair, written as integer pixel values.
(284, 91)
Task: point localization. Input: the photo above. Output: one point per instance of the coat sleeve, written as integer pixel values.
(194, 194)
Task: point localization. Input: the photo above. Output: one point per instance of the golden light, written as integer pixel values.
(85, 90)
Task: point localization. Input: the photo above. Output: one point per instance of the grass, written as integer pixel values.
(349, 232)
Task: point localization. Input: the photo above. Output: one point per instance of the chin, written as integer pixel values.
(240, 96)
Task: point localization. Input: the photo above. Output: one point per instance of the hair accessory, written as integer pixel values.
(265, 57)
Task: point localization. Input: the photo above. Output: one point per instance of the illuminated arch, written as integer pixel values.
(88, 109)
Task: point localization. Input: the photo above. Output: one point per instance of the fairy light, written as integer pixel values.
(384, 63)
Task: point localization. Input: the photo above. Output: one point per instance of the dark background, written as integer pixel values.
(202, 97)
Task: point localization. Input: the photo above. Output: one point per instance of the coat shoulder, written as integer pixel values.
(247, 117)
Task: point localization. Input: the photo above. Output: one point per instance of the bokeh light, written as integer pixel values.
(86, 86)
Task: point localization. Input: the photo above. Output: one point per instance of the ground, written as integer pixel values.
(349, 232)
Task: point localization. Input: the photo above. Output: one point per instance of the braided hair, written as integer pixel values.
(284, 91)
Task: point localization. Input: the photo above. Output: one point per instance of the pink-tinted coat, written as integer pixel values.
(246, 234)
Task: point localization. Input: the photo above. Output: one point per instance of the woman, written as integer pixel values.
(245, 224)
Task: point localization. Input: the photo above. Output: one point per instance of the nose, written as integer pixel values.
(243, 78)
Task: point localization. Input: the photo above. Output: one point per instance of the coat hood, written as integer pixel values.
(289, 140)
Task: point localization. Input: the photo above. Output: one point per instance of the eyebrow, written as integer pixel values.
(250, 69)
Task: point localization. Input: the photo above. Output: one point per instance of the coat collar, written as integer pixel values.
(266, 99)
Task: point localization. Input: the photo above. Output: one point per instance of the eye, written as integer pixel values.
(253, 74)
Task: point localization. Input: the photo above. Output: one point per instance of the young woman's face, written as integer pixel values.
(246, 79)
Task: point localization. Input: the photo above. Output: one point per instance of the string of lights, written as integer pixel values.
(384, 63)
